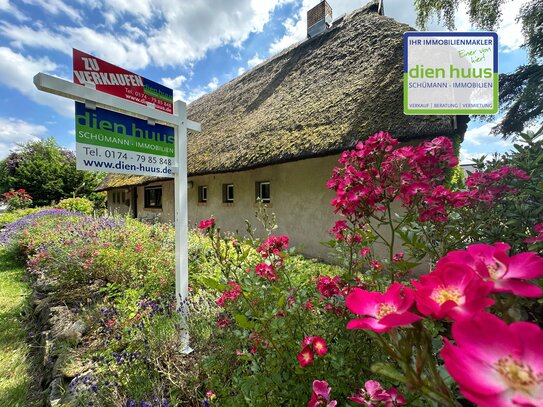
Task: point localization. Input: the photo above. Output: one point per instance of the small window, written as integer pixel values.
(263, 191)
(202, 193)
(228, 192)
(153, 197)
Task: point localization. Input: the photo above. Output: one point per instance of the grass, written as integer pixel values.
(15, 363)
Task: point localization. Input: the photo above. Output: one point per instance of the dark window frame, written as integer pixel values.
(228, 193)
(202, 194)
(157, 198)
(259, 191)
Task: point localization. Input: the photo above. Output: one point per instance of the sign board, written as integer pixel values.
(107, 141)
(109, 78)
(450, 73)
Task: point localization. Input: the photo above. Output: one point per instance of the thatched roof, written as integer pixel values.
(113, 181)
(316, 98)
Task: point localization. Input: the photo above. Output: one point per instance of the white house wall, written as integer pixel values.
(118, 208)
(164, 214)
(299, 198)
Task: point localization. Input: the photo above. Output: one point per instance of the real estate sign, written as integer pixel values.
(117, 81)
(108, 141)
(450, 73)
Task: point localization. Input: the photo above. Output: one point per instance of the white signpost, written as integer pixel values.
(93, 100)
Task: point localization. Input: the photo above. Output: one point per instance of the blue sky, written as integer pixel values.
(193, 47)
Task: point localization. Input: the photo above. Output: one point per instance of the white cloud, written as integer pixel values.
(296, 30)
(175, 84)
(479, 141)
(139, 8)
(467, 158)
(115, 48)
(296, 26)
(9, 8)
(133, 31)
(254, 61)
(241, 70)
(56, 7)
(214, 84)
(181, 33)
(17, 73)
(15, 131)
(482, 136)
(192, 94)
(509, 33)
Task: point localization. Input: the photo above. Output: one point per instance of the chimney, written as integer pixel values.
(319, 19)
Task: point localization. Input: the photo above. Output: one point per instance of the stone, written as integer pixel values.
(55, 391)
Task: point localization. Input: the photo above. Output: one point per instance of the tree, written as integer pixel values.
(46, 171)
(521, 92)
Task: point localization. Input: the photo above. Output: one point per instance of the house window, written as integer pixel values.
(263, 191)
(228, 193)
(153, 197)
(202, 193)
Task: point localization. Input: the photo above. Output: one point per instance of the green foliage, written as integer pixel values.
(457, 178)
(46, 172)
(261, 331)
(9, 217)
(484, 14)
(121, 274)
(15, 382)
(513, 218)
(81, 205)
(531, 16)
(521, 97)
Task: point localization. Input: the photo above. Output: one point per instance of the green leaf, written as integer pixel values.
(281, 301)
(388, 371)
(299, 370)
(243, 322)
(212, 283)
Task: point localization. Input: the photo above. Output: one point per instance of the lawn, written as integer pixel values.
(15, 380)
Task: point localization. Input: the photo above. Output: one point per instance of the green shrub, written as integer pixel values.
(9, 217)
(81, 205)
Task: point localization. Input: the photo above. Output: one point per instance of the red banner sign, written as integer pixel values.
(119, 82)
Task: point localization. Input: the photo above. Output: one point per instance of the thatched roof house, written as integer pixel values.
(314, 99)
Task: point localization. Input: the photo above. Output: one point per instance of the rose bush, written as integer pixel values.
(394, 196)
(16, 199)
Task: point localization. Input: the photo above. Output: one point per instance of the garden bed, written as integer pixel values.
(271, 328)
